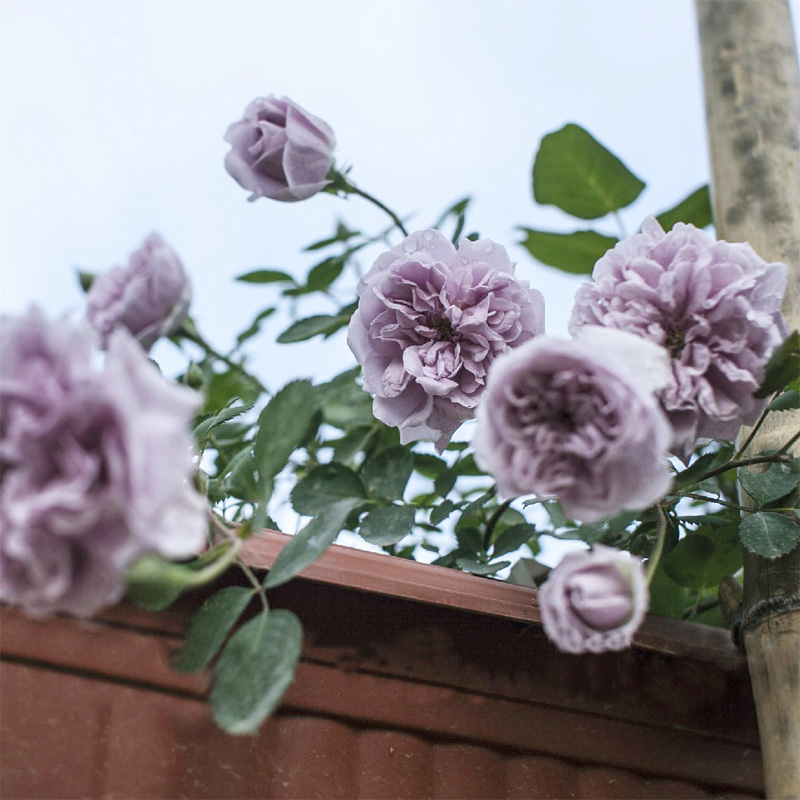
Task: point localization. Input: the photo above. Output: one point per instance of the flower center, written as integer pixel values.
(674, 341)
(443, 326)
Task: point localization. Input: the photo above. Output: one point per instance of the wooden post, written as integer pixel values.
(752, 90)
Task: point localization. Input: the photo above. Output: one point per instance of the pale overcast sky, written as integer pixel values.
(115, 112)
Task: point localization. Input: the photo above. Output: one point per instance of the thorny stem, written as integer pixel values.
(655, 555)
(353, 189)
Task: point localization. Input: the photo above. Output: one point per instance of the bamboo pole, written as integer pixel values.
(752, 90)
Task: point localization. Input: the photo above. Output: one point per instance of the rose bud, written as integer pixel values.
(279, 150)
(150, 296)
(594, 601)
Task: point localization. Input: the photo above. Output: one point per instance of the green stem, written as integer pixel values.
(693, 496)
(353, 189)
(493, 520)
(789, 444)
(752, 434)
(193, 335)
(217, 567)
(255, 582)
(734, 463)
(655, 555)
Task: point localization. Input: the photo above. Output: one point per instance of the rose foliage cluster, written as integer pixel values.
(463, 435)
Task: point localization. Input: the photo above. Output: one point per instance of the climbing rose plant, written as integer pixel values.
(459, 415)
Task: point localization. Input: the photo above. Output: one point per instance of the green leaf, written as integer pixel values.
(310, 543)
(444, 482)
(255, 326)
(667, 598)
(695, 210)
(576, 253)
(85, 280)
(479, 568)
(697, 469)
(222, 388)
(326, 484)
(309, 327)
(769, 535)
(512, 539)
(441, 512)
(705, 557)
(783, 368)
(387, 525)
(255, 670)
(343, 234)
(202, 430)
(210, 625)
(786, 401)
(265, 276)
(428, 465)
(387, 472)
(528, 572)
(325, 273)
(574, 172)
(764, 487)
(283, 426)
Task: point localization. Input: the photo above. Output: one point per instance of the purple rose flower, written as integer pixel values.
(715, 306)
(578, 421)
(94, 466)
(149, 297)
(430, 321)
(594, 601)
(279, 150)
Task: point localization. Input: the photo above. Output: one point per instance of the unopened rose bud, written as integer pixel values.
(279, 150)
(594, 601)
(150, 296)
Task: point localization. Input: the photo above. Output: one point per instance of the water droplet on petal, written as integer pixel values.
(464, 260)
(488, 247)
(428, 236)
(410, 245)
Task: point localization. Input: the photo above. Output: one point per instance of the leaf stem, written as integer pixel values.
(693, 496)
(752, 434)
(735, 463)
(193, 335)
(655, 555)
(353, 189)
(789, 444)
(493, 520)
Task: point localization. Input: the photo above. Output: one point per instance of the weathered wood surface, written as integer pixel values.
(752, 88)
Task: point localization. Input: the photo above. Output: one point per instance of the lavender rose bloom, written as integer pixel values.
(279, 150)
(94, 466)
(715, 306)
(578, 421)
(150, 296)
(430, 321)
(594, 601)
